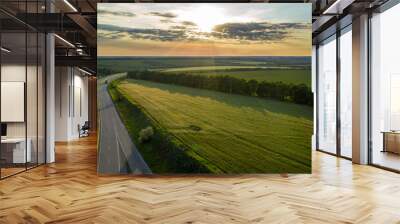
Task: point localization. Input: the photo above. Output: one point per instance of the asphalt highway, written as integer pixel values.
(117, 153)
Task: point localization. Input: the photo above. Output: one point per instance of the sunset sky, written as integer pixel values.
(190, 29)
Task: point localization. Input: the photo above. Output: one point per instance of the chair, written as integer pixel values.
(84, 130)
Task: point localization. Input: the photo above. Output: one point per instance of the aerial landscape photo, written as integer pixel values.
(204, 88)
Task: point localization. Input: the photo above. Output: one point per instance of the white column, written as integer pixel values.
(50, 94)
(62, 103)
(360, 90)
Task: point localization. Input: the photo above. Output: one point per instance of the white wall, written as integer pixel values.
(62, 82)
(80, 109)
(12, 73)
(33, 126)
(71, 102)
(13, 101)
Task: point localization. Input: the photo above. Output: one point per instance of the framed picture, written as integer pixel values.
(195, 88)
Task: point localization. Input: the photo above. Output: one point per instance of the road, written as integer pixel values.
(117, 152)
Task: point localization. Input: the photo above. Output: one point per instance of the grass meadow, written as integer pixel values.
(226, 133)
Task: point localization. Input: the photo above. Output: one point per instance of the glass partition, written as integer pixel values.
(14, 153)
(41, 97)
(22, 88)
(32, 98)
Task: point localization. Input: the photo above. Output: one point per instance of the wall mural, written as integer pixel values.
(204, 88)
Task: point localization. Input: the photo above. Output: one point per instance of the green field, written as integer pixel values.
(293, 76)
(287, 70)
(127, 64)
(124, 64)
(207, 68)
(229, 133)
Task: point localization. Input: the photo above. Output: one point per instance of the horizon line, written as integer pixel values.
(204, 56)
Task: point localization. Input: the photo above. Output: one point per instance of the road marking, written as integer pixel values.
(118, 148)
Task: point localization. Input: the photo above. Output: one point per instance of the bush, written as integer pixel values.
(145, 134)
(116, 95)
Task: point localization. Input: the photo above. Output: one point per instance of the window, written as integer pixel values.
(385, 89)
(327, 95)
(346, 92)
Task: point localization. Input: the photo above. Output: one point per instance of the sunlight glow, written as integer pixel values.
(189, 29)
(206, 17)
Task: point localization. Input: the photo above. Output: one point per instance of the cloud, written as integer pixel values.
(147, 34)
(106, 12)
(188, 23)
(111, 28)
(178, 27)
(166, 21)
(158, 34)
(165, 15)
(185, 25)
(256, 31)
(110, 36)
(293, 25)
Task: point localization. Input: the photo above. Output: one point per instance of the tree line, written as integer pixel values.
(102, 72)
(297, 93)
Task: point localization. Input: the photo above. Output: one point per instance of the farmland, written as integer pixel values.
(227, 133)
(293, 76)
(133, 63)
(217, 114)
(207, 68)
(291, 70)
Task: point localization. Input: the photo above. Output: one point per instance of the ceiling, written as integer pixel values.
(332, 15)
(74, 22)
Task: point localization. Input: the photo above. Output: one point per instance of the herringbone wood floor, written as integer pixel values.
(70, 191)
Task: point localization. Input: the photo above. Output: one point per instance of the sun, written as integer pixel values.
(206, 17)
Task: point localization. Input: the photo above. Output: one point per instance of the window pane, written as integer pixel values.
(327, 96)
(346, 93)
(14, 153)
(385, 89)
